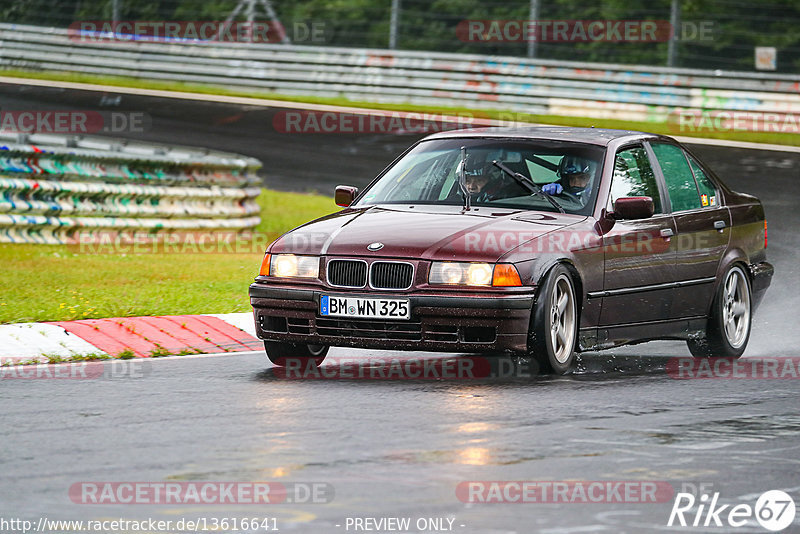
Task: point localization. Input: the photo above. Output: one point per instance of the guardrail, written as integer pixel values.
(59, 189)
(514, 84)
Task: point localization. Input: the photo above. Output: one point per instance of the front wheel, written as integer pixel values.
(279, 352)
(728, 328)
(554, 325)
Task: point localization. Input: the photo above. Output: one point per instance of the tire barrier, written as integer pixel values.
(54, 188)
(594, 90)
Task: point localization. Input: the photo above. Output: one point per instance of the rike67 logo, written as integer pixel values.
(774, 510)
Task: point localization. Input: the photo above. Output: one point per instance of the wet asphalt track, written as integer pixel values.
(400, 447)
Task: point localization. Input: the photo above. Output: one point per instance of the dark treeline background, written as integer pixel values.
(738, 25)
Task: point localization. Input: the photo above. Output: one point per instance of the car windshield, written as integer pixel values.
(429, 174)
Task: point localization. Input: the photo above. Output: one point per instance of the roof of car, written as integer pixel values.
(595, 136)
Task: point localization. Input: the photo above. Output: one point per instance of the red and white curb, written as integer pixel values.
(143, 336)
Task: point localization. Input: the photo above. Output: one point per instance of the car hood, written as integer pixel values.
(422, 232)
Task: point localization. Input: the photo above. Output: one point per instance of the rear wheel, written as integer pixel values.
(279, 352)
(728, 328)
(554, 325)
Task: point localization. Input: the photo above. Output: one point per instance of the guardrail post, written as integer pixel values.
(674, 21)
(395, 20)
(533, 18)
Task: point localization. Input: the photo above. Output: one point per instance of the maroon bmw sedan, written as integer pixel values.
(538, 241)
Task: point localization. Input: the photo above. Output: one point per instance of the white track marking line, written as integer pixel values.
(199, 356)
(735, 144)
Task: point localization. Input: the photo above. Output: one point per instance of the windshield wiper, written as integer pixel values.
(462, 181)
(528, 184)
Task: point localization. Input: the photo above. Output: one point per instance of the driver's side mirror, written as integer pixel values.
(627, 208)
(344, 195)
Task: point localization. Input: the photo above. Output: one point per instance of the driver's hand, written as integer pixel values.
(553, 189)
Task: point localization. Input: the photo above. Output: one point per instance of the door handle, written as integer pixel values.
(719, 225)
(666, 232)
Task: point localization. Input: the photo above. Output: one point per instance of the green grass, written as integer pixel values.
(53, 359)
(60, 283)
(503, 114)
(126, 354)
(281, 211)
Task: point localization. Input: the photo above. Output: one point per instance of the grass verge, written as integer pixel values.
(60, 283)
(654, 127)
(53, 359)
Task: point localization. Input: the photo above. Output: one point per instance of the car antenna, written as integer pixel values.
(462, 180)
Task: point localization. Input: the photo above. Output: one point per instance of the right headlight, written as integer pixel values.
(473, 274)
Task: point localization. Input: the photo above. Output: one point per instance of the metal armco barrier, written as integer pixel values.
(53, 187)
(511, 84)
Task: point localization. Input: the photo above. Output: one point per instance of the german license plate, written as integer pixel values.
(364, 308)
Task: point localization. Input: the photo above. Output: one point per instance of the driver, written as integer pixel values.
(574, 173)
(483, 183)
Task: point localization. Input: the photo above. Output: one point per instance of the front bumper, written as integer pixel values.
(438, 322)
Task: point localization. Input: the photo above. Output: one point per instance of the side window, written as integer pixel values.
(708, 193)
(678, 176)
(634, 177)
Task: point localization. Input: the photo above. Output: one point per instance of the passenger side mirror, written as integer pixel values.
(344, 195)
(633, 208)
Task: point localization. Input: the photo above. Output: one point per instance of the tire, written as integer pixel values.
(554, 323)
(728, 328)
(278, 352)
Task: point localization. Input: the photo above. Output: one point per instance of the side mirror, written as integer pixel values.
(344, 195)
(633, 208)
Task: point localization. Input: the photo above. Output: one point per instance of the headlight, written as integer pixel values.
(469, 274)
(291, 266)
(474, 274)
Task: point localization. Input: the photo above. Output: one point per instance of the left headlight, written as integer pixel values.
(291, 266)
